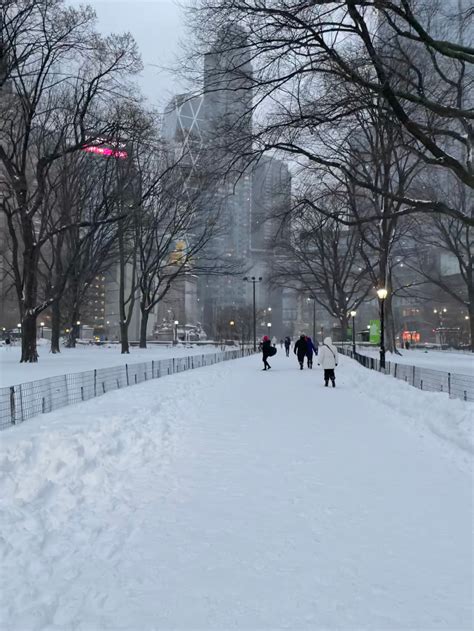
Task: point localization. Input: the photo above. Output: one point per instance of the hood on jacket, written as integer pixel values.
(328, 341)
(266, 338)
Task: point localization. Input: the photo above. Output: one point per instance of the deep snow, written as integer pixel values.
(82, 358)
(225, 498)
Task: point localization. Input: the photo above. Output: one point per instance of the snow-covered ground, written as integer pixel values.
(71, 360)
(447, 361)
(224, 498)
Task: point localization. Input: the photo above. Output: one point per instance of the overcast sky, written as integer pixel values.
(157, 26)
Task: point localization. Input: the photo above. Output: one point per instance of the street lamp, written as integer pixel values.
(176, 322)
(42, 329)
(314, 317)
(353, 315)
(382, 294)
(254, 281)
(78, 324)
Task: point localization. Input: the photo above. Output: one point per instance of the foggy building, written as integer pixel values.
(214, 131)
(271, 198)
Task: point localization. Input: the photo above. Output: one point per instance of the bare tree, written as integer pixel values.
(446, 237)
(398, 54)
(62, 79)
(174, 229)
(323, 261)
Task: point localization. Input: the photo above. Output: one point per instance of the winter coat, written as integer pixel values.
(327, 356)
(287, 342)
(266, 348)
(310, 348)
(300, 348)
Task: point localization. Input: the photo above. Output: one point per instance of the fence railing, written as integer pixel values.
(456, 385)
(24, 401)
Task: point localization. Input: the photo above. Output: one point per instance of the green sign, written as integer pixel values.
(374, 335)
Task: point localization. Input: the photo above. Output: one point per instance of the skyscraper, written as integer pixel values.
(216, 131)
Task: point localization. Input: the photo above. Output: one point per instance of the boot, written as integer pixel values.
(326, 383)
(301, 366)
(333, 383)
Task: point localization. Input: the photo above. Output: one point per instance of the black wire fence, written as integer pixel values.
(24, 401)
(457, 386)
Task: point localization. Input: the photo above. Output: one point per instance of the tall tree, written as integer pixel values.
(323, 260)
(411, 57)
(63, 80)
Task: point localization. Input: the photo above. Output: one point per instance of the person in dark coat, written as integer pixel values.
(300, 349)
(287, 345)
(266, 352)
(311, 348)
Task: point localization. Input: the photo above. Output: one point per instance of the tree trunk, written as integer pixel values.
(343, 323)
(124, 338)
(389, 326)
(73, 330)
(143, 327)
(55, 327)
(470, 308)
(29, 353)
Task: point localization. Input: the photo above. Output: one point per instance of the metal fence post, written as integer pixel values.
(21, 404)
(95, 382)
(413, 377)
(126, 374)
(449, 383)
(12, 405)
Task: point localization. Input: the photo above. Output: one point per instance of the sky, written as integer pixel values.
(158, 27)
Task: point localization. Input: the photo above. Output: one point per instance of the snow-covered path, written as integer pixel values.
(225, 498)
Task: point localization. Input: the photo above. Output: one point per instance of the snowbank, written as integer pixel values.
(431, 414)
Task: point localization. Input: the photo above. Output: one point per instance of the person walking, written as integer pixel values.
(310, 349)
(287, 345)
(328, 359)
(266, 352)
(300, 349)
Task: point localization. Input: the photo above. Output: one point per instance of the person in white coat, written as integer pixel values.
(327, 359)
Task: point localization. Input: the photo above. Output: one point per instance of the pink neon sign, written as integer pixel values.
(107, 151)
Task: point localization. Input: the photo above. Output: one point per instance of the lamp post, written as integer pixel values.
(78, 330)
(42, 329)
(232, 324)
(314, 315)
(439, 313)
(353, 315)
(254, 281)
(382, 294)
(176, 322)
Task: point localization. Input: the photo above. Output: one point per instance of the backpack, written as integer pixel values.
(272, 351)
